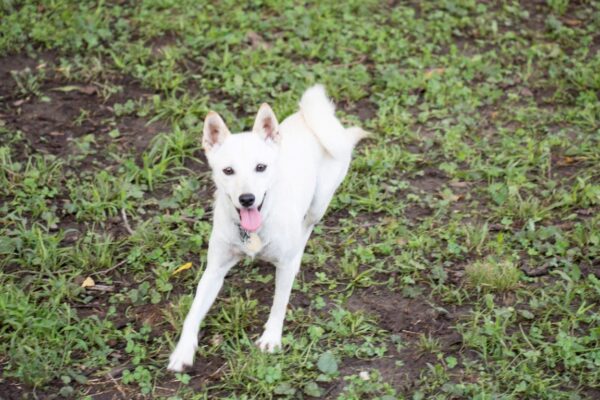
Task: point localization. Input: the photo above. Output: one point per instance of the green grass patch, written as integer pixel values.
(493, 274)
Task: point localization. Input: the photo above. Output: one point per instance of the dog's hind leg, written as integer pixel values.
(284, 280)
(220, 261)
(330, 175)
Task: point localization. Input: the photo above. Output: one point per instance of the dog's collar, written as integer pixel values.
(244, 234)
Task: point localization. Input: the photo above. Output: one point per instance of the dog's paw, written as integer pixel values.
(182, 356)
(269, 341)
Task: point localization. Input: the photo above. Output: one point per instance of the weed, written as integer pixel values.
(493, 274)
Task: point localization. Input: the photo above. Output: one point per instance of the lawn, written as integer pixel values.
(460, 258)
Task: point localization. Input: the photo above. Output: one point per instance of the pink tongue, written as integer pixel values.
(250, 219)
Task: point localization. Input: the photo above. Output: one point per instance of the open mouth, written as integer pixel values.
(250, 218)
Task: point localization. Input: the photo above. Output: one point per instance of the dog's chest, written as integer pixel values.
(255, 245)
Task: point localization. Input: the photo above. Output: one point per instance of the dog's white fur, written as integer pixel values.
(306, 159)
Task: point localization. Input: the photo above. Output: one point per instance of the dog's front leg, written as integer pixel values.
(220, 261)
(284, 280)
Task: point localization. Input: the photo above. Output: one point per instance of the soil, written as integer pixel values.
(409, 318)
(68, 110)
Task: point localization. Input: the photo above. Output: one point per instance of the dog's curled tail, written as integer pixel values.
(319, 113)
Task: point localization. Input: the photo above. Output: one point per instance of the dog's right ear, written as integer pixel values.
(215, 131)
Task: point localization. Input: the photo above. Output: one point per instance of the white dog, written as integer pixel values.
(273, 185)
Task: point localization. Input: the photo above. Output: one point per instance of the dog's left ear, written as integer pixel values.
(266, 124)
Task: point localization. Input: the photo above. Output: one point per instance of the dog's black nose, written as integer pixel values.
(247, 199)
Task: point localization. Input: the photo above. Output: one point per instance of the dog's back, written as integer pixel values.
(316, 164)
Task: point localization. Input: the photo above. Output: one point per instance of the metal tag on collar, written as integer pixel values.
(251, 240)
(254, 244)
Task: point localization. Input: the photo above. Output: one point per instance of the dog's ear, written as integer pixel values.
(215, 131)
(266, 124)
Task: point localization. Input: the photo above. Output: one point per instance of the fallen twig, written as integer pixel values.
(410, 332)
(101, 288)
(535, 272)
(126, 222)
(106, 271)
(119, 388)
(117, 371)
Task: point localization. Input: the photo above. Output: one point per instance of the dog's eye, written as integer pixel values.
(228, 171)
(260, 167)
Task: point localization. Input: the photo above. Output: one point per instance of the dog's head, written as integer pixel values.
(243, 164)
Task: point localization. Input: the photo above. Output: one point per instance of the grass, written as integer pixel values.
(459, 259)
(493, 274)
